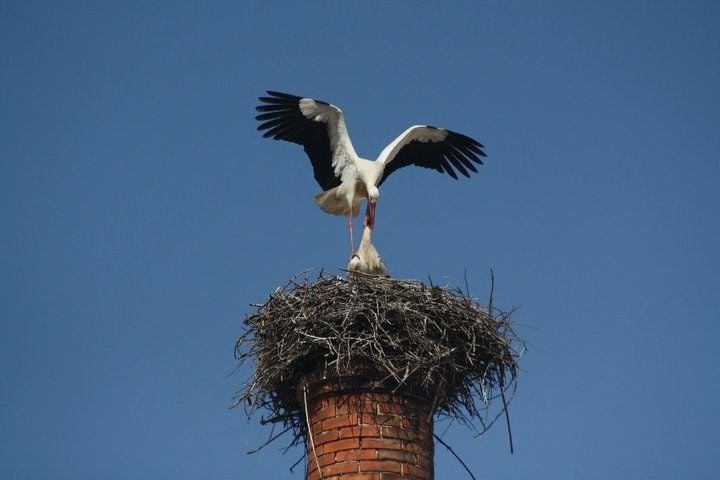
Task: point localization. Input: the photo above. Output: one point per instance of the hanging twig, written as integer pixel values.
(309, 431)
(292, 467)
(455, 455)
(507, 415)
(270, 440)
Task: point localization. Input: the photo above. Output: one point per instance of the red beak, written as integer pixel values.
(370, 213)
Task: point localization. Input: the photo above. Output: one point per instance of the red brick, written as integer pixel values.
(424, 461)
(391, 408)
(314, 475)
(355, 405)
(363, 476)
(338, 468)
(317, 451)
(417, 472)
(345, 444)
(357, 454)
(368, 401)
(403, 433)
(397, 455)
(323, 413)
(343, 408)
(339, 421)
(389, 443)
(380, 466)
(368, 431)
(381, 419)
(419, 447)
(415, 423)
(316, 428)
(325, 437)
(326, 459)
(319, 403)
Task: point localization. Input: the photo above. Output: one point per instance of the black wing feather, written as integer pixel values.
(460, 155)
(456, 150)
(456, 162)
(283, 120)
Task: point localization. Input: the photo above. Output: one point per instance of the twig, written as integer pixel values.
(270, 440)
(455, 455)
(507, 415)
(467, 287)
(492, 291)
(292, 467)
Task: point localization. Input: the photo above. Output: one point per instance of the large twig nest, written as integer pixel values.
(427, 340)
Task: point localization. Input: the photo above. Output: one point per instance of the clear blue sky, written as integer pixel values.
(141, 213)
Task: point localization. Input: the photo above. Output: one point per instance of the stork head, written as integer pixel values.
(356, 263)
(373, 194)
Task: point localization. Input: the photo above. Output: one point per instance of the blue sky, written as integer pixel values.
(141, 213)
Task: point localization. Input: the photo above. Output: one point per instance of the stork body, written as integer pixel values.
(347, 179)
(357, 183)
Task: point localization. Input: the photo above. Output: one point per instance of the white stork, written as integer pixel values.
(347, 179)
(367, 259)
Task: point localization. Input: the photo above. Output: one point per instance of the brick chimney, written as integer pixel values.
(360, 431)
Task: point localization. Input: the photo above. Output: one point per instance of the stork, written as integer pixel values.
(347, 179)
(367, 259)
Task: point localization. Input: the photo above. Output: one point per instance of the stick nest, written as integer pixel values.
(428, 340)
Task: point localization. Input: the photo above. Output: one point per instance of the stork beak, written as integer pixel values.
(371, 215)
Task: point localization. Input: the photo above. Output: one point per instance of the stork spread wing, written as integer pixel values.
(318, 126)
(432, 147)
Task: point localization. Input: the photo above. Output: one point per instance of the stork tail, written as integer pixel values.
(330, 202)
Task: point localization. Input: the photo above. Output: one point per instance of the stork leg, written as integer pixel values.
(350, 227)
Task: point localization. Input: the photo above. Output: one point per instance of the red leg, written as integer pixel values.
(352, 242)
